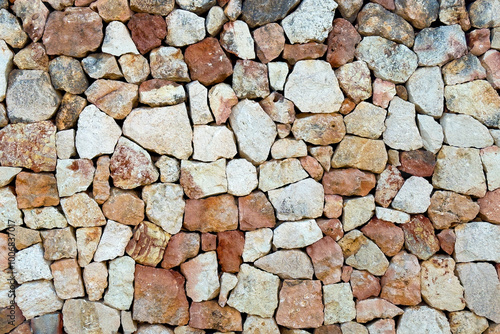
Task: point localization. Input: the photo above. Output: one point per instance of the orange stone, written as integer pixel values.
(209, 315)
(312, 167)
(255, 211)
(401, 281)
(388, 237)
(447, 240)
(36, 190)
(101, 188)
(448, 209)
(212, 214)
(331, 227)
(348, 182)
(296, 52)
(364, 284)
(333, 206)
(420, 238)
(148, 243)
(229, 250)
(208, 242)
(124, 207)
(181, 246)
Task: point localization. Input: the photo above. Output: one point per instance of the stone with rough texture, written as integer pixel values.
(33, 13)
(200, 179)
(67, 279)
(419, 163)
(490, 157)
(342, 41)
(367, 310)
(181, 246)
(147, 245)
(386, 235)
(339, 303)
(213, 142)
(255, 211)
(355, 80)
(230, 246)
(59, 243)
(448, 209)
(401, 131)
(65, 144)
(76, 313)
(374, 20)
(115, 98)
(209, 315)
(117, 40)
(168, 63)
(7, 174)
(36, 190)
(113, 241)
(491, 62)
(101, 188)
(278, 173)
(95, 277)
(478, 41)
(431, 133)
(348, 182)
(184, 28)
(401, 282)
(147, 31)
(11, 31)
(198, 105)
(46, 218)
(388, 185)
(69, 111)
(321, 129)
(362, 153)
(327, 259)
(160, 7)
(250, 79)
(437, 46)
(255, 324)
(465, 131)
(419, 237)
(288, 148)
(164, 205)
(357, 211)
(37, 298)
(426, 90)
(82, 211)
(6, 57)
(235, 38)
(213, 214)
(364, 284)
(390, 215)
(222, 99)
(215, 20)
(463, 69)
(124, 207)
(313, 87)
(287, 264)
(447, 240)
(414, 195)
(383, 92)
(256, 13)
(67, 74)
(465, 321)
(74, 175)
(454, 12)
(281, 110)
(366, 120)
(485, 14)
(477, 241)
(30, 265)
(201, 276)
(257, 244)
(270, 41)
(101, 66)
(424, 319)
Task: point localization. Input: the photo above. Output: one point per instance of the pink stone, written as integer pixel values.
(331, 227)
(348, 182)
(296, 52)
(383, 92)
(383, 326)
(312, 167)
(333, 206)
(364, 284)
(180, 247)
(208, 242)
(346, 273)
(255, 211)
(388, 236)
(212, 214)
(388, 185)
(417, 163)
(327, 259)
(489, 209)
(478, 41)
(342, 42)
(229, 250)
(447, 240)
(269, 42)
(367, 310)
(491, 62)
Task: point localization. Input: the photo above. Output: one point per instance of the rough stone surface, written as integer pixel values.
(477, 241)
(388, 236)
(250, 80)
(255, 211)
(78, 311)
(209, 315)
(448, 209)
(37, 298)
(202, 277)
(357, 211)
(287, 264)
(87, 240)
(147, 244)
(168, 63)
(437, 46)
(425, 319)
(488, 209)
(204, 215)
(115, 98)
(362, 153)
(213, 142)
(321, 129)
(339, 303)
(67, 279)
(36, 190)
(465, 131)
(113, 241)
(230, 246)
(401, 282)
(164, 205)
(181, 246)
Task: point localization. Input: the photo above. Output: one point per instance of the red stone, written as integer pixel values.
(342, 42)
(331, 227)
(212, 214)
(348, 182)
(388, 237)
(401, 281)
(478, 41)
(312, 167)
(207, 62)
(447, 240)
(489, 207)
(208, 242)
(327, 259)
(417, 163)
(296, 52)
(147, 31)
(159, 296)
(383, 326)
(180, 247)
(388, 185)
(364, 284)
(229, 250)
(269, 42)
(491, 63)
(346, 273)
(420, 238)
(255, 211)
(387, 4)
(209, 315)
(35, 190)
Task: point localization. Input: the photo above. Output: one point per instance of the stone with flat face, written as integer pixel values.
(213, 214)
(258, 12)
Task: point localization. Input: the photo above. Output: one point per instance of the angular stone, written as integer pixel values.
(209, 315)
(390, 215)
(161, 199)
(355, 81)
(113, 241)
(117, 40)
(222, 98)
(256, 13)
(362, 153)
(287, 264)
(357, 211)
(160, 7)
(256, 292)
(115, 98)
(293, 53)
(419, 237)
(201, 179)
(269, 41)
(388, 185)
(169, 169)
(36, 190)
(278, 108)
(202, 277)
(204, 215)
(277, 173)
(418, 163)
(278, 72)
(73, 32)
(113, 11)
(65, 144)
(254, 324)
(257, 244)
(425, 90)
(454, 12)
(101, 188)
(69, 111)
(488, 207)
(447, 240)
(11, 31)
(366, 120)
(419, 14)
(37, 298)
(437, 46)
(367, 310)
(148, 243)
(484, 14)
(24, 238)
(301, 304)
(168, 63)
(386, 235)
(339, 303)
(7, 174)
(67, 74)
(159, 92)
(101, 66)
(423, 317)
(333, 206)
(229, 250)
(342, 41)
(491, 62)
(76, 313)
(74, 175)
(124, 207)
(465, 131)
(414, 195)
(42, 218)
(401, 282)
(198, 106)
(323, 129)
(327, 259)
(87, 240)
(401, 129)
(213, 142)
(478, 41)
(352, 327)
(180, 247)
(120, 291)
(235, 38)
(291, 204)
(477, 241)
(147, 31)
(464, 69)
(59, 243)
(348, 182)
(30, 265)
(383, 92)
(364, 285)
(449, 208)
(467, 321)
(6, 57)
(397, 67)
(250, 80)
(288, 148)
(34, 15)
(184, 28)
(67, 279)
(49, 322)
(313, 87)
(255, 211)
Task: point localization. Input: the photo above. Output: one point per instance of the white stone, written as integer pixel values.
(450, 174)
(6, 57)
(44, 218)
(256, 325)
(202, 280)
(202, 179)
(431, 132)
(165, 205)
(278, 72)
(8, 209)
(236, 39)
(296, 234)
(128, 324)
(257, 244)
(357, 211)
(293, 264)
(120, 291)
(477, 241)
(278, 173)
(465, 131)
(233, 9)
(401, 131)
(313, 87)
(495, 38)
(241, 177)
(256, 292)
(65, 144)
(165, 95)
(366, 120)
(164, 130)
(184, 28)
(222, 98)
(7, 174)
(414, 196)
(423, 319)
(117, 40)
(496, 136)
(227, 283)
(288, 148)
(310, 22)
(29, 265)
(168, 63)
(213, 142)
(215, 20)
(426, 90)
(303, 199)
(490, 157)
(169, 169)
(77, 312)
(198, 103)
(73, 175)
(97, 133)
(196, 6)
(87, 240)
(339, 303)
(135, 68)
(95, 277)
(113, 241)
(82, 211)
(37, 298)
(390, 215)
(437, 46)
(254, 129)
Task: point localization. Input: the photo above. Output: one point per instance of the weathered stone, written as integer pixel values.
(37, 298)
(124, 207)
(278, 108)
(74, 175)
(65, 144)
(312, 167)
(204, 215)
(67, 74)
(184, 28)
(401, 282)
(257, 244)
(478, 41)
(418, 163)
(278, 72)
(77, 312)
(355, 80)
(488, 207)
(159, 92)
(463, 69)
(423, 318)
(181, 246)
(169, 169)
(448, 209)
(339, 303)
(101, 188)
(33, 14)
(367, 310)
(447, 240)
(454, 12)
(288, 148)
(168, 63)
(362, 153)
(390, 215)
(348, 182)
(10, 30)
(147, 31)
(419, 14)
(229, 250)
(213, 142)
(437, 46)
(201, 179)
(250, 80)
(59, 243)
(24, 238)
(484, 14)
(269, 41)
(101, 66)
(120, 291)
(36, 190)
(222, 98)
(425, 89)
(364, 285)
(69, 111)
(115, 98)
(209, 315)
(73, 32)
(477, 241)
(414, 195)
(277, 173)
(235, 38)
(366, 120)
(148, 243)
(30, 265)
(67, 279)
(95, 274)
(160, 7)
(255, 211)
(465, 131)
(87, 240)
(7, 174)
(322, 129)
(342, 41)
(461, 322)
(491, 62)
(113, 10)
(161, 199)
(292, 264)
(401, 131)
(327, 259)
(419, 237)
(386, 235)
(357, 211)
(215, 20)
(333, 206)
(293, 53)
(6, 57)
(431, 132)
(46, 218)
(202, 277)
(388, 185)
(198, 106)
(256, 13)
(113, 241)
(383, 92)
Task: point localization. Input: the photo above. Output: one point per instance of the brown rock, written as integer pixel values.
(387, 4)
(312, 167)
(333, 206)
(113, 10)
(342, 41)
(447, 240)
(147, 31)
(115, 98)
(255, 211)
(269, 42)
(212, 214)
(47, 323)
(74, 32)
(401, 281)
(402, 92)
(82, 211)
(181, 246)
(159, 296)
(417, 163)
(160, 7)
(101, 188)
(388, 236)
(278, 108)
(364, 284)
(328, 329)
(420, 238)
(33, 13)
(347, 106)
(24, 237)
(319, 129)
(389, 183)
(301, 304)
(208, 242)
(4, 249)
(10, 318)
(489, 209)
(67, 279)
(250, 79)
(478, 41)
(148, 243)
(331, 228)
(346, 273)
(31, 145)
(59, 243)
(367, 310)
(207, 62)
(327, 259)
(209, 315)
(32, 57)
(70, 109)
(229, 250)
(36, 190)
(295, 52)
(448, 209)
(67, 74)
(348, 182)
(160, 92)
(124, 207)
(25, 328)
(362, 153)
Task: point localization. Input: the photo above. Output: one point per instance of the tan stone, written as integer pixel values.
(388, 185)
(370, 309)
(147, 244)
(87, 240)
(36, 190)
(124, 207)
(115, 98)
(24, 237)
(209, 315)
(59, 243)
(205, 215)
(448, 209)
(95, 277)
(77, 312)
(348, 182)
(67, 279)
(362, 153)
(401, 282)
(321, 129)
(82, 211)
